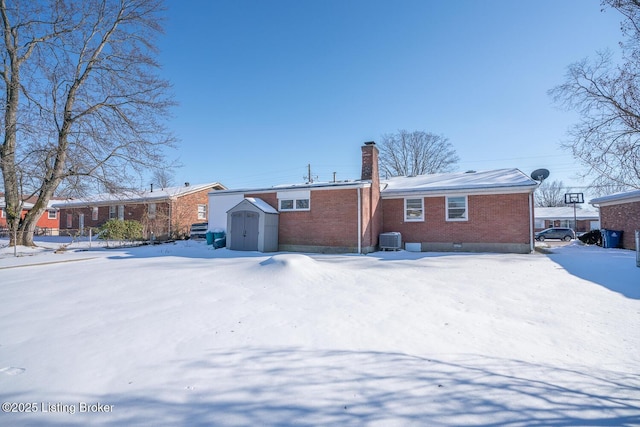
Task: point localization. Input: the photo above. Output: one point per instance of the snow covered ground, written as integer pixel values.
(181, 334)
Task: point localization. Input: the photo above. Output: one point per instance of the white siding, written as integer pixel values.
(218, 207)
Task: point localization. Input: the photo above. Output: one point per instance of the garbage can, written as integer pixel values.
(219, 239)
(209, 236)
(611, 238)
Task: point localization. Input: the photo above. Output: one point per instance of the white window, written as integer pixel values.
(457, 208)
(294, 204)
(52, 214)
(202, 211)
(414, 209)
(151, 210)
(2, 214)
(112, 212)
(69, 220)
(121, 212)
(298, 200)
(94, 213)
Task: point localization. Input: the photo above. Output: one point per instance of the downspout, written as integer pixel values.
(359, 221)
(531, 242)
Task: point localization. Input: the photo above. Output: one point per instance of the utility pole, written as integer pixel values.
(309, 178)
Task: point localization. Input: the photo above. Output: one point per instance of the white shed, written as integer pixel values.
(252, 225)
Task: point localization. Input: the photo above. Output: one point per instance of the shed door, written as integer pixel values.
(244, 231)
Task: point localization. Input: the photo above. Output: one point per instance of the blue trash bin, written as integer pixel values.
(209, 236)
(611, 238)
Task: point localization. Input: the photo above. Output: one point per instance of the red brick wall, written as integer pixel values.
(332, 220)
(185, 211)
(625, 217)
(159, 225)
(492, 219)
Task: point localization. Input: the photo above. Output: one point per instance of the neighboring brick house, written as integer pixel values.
(620, 211)
(563, 216)
(479, 211)
(49, 222)
(164, 213)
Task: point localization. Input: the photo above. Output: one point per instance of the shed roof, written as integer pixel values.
(262, 205)
(493, 181)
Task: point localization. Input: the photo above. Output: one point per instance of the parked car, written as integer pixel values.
(565, 234)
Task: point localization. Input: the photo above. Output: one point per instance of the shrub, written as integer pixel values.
(116, 229)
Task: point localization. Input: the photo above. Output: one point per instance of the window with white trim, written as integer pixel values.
(414, 209)
(94, 213)
(2, 214)
(457, 209)
(69, 220)
(151, 210)
(296, 200)
(112, 212)
(121, 212)
(294, 204)
(202, 211)
(51, 214)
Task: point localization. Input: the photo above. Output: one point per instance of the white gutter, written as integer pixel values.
(359, 222)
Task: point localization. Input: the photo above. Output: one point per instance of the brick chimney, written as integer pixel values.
(370, 162)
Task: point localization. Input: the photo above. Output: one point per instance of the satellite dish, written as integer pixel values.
(540, 174)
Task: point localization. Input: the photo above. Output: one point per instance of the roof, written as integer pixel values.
(310, 186)
(616, 198)
(28, 204)
(565, 212)
(262, 205)
(140, 196)
(491, 181)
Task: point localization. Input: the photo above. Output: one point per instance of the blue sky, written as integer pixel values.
(266, 87)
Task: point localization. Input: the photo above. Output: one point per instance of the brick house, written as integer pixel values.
(484, 211)
(563, 216)
(479, 211)
(620, 211)
(164, 213)
(49, 222)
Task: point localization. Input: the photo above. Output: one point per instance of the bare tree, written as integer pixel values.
(83, 105)
(607, 96)
(550, 194)
(163, 177)
(416, 153)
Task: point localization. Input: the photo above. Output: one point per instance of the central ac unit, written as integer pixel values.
(391, 240)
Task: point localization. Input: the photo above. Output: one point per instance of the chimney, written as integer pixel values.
(370, 162)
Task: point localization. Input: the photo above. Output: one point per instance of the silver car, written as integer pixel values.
(565, 234)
